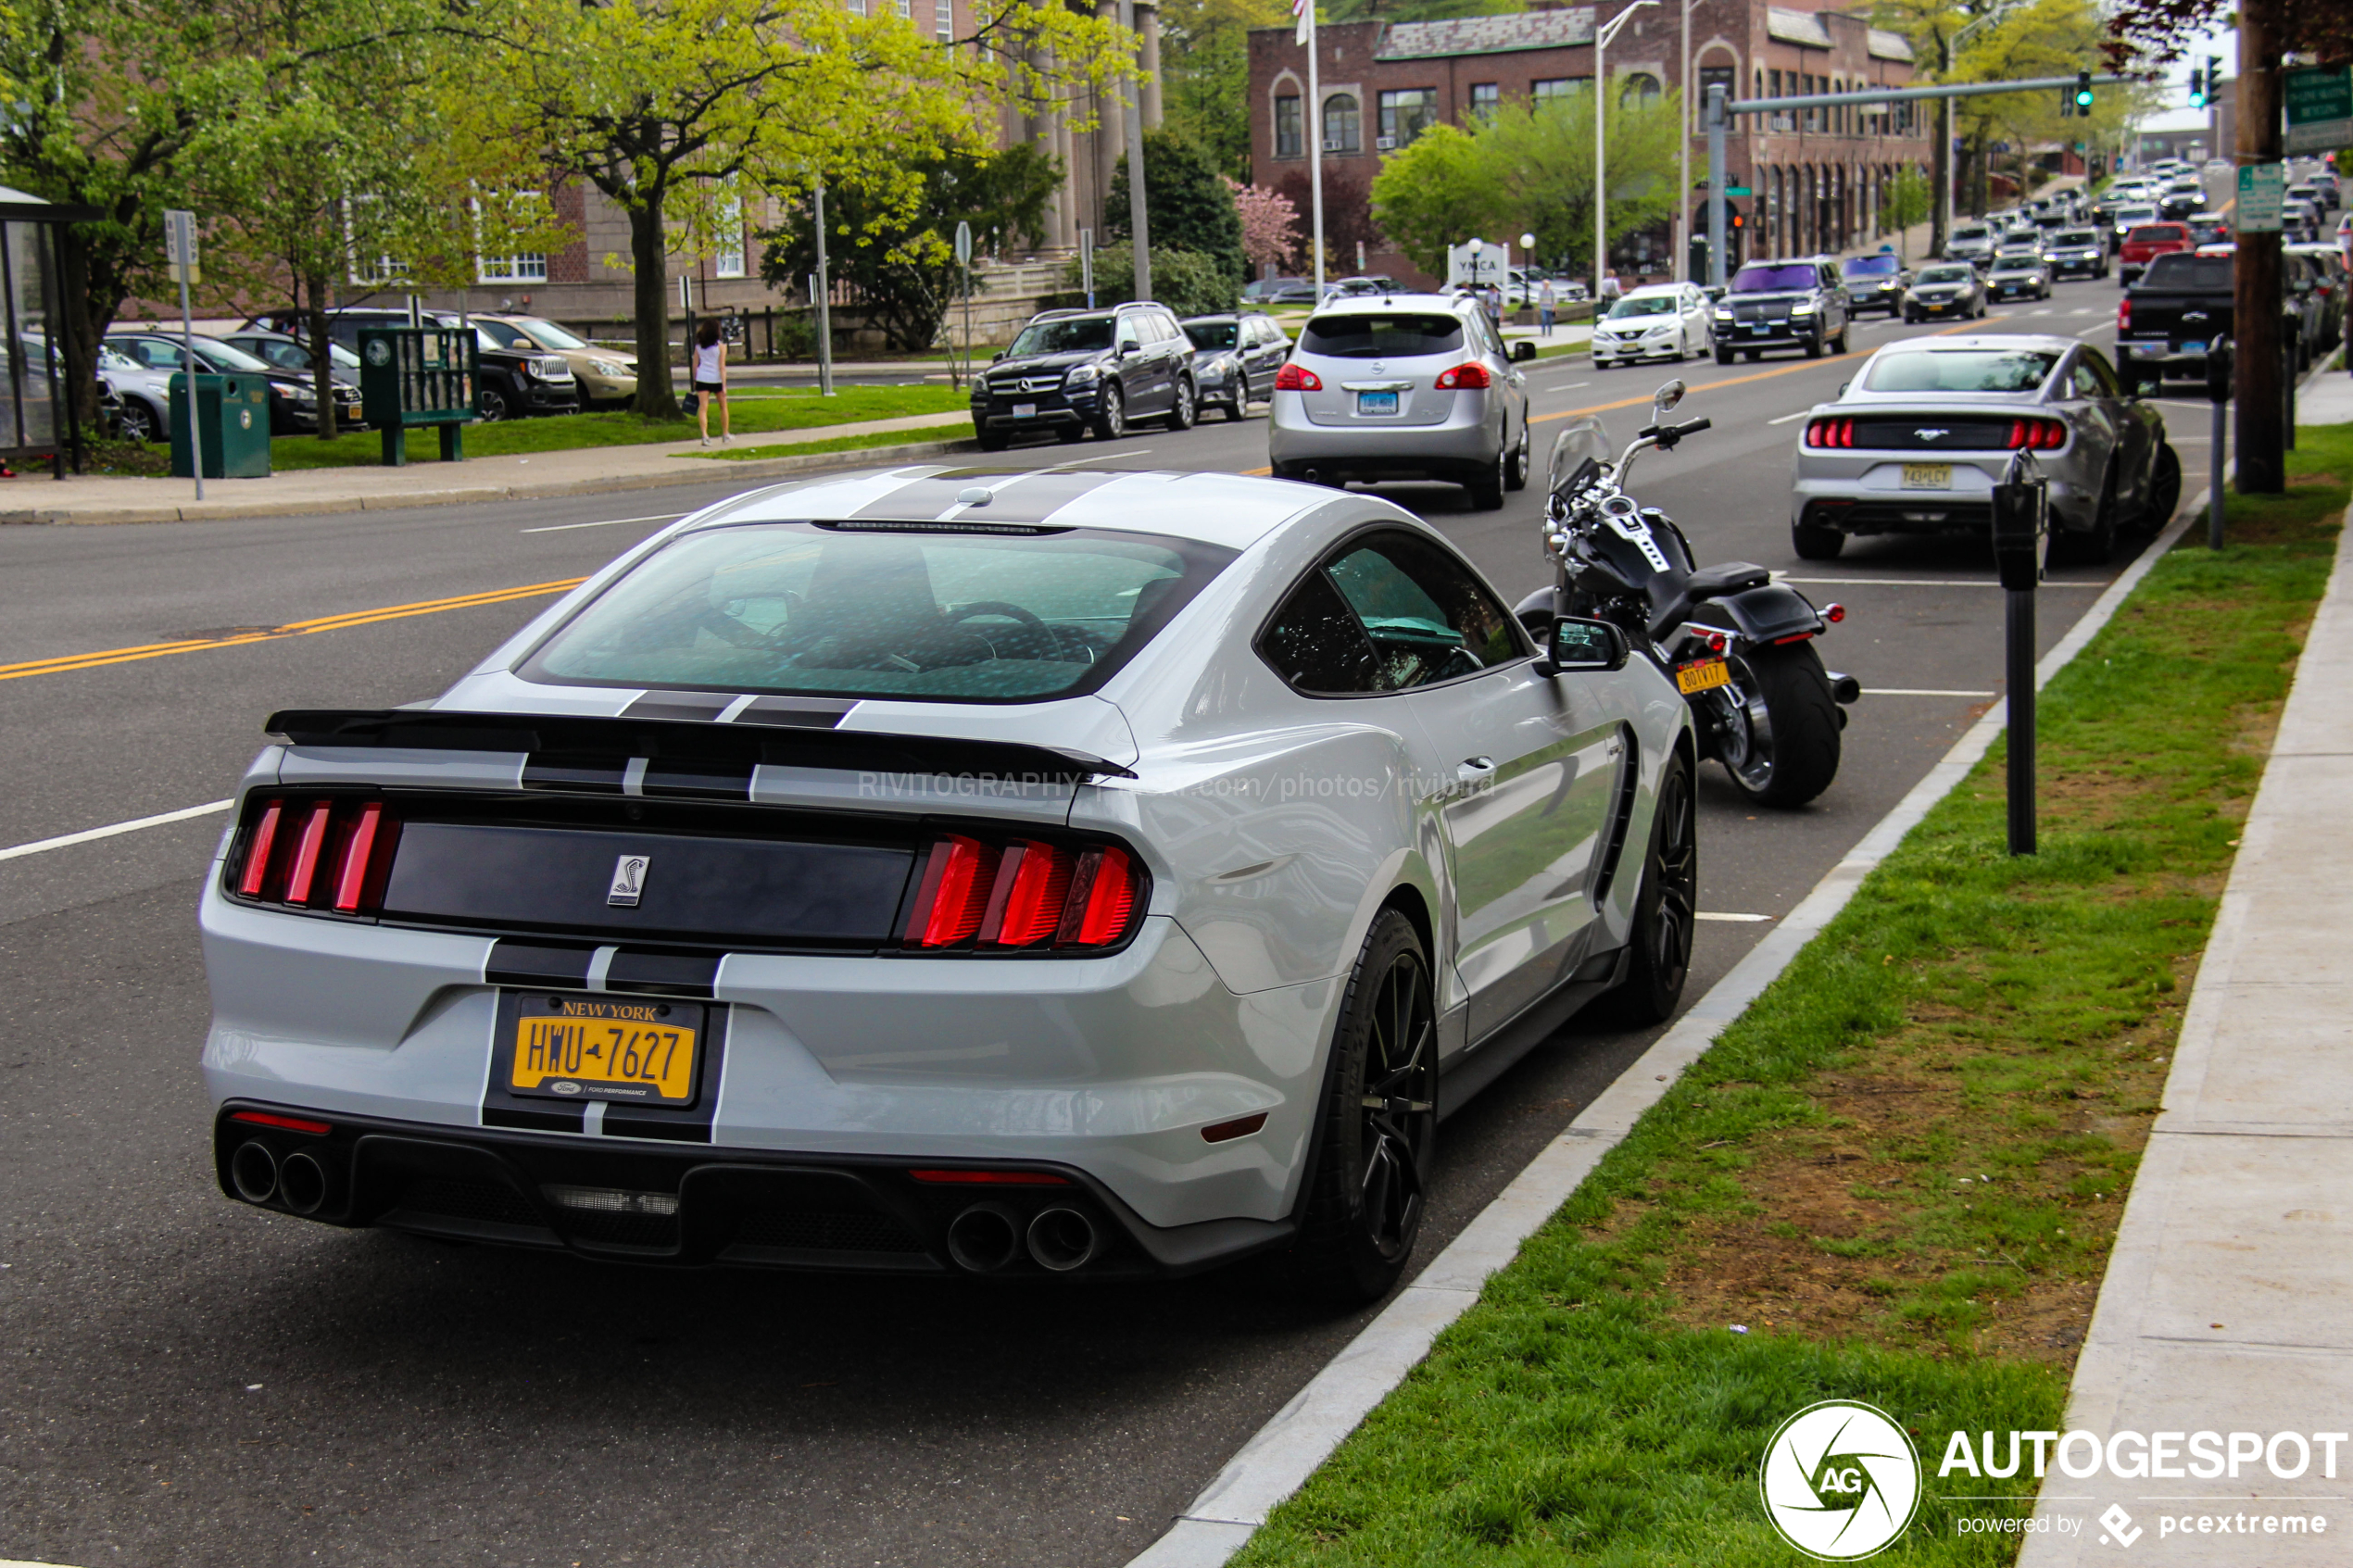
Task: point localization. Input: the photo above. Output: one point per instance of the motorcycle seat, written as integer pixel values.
(1728, 577)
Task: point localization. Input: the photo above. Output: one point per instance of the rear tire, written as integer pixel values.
(1523, 459)
(1362, 1206)
(2164, 490)
(2094, 546)
(1664, 909)
(1487, 492)
(1782, 747)
(1235, 412)
(1815, 544)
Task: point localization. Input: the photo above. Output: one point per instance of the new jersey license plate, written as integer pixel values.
(1376, 403)
(1928, 476)
(600, 1047)
(1702, 675)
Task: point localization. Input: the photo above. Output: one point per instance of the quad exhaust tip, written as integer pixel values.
(1062, 1239)
(253, 1170)
(984, 1238)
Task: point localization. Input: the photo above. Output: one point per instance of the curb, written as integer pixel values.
(1282, 1454)
(752, 467)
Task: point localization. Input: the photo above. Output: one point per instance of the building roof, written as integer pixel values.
(1796, 27)
(1886, 45)
(1486, 35)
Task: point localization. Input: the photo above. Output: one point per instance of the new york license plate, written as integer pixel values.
(600, 1047)
(1376, 403)
(1928, 476)
(1702, 675)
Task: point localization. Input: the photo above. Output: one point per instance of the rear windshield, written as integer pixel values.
(1770, 279)
(2191, 274)
(880, 611)
(1960, 369)
(1366, 335)
(2154, 231)
(1211, 334)
(1873, 266)
(1085, 334)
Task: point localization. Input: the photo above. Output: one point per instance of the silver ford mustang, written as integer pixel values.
(1916, 442)
(950, 870)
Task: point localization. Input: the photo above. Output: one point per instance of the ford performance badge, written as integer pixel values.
(628, 880)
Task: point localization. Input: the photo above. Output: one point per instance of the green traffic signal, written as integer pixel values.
(2083, 92)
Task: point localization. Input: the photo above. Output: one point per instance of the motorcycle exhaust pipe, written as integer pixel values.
(984, 1238)
(1844, 689)
(1062, 1239)
(253, 1170)
(302, 1184)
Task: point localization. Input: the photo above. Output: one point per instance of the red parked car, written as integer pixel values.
(2146, 242)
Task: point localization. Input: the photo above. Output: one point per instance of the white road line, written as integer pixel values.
(1719, 914)
(1567, 386)
(2104, 326)
(1918, 691)
(1786, 418)
(42, 846)
(2042, 312)
(2082, 310)
(607, 522)
(1919, 582)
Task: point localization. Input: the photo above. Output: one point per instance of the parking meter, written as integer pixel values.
(2022, 540)
(2219, 367)
(2219, 356)
(2022, 523)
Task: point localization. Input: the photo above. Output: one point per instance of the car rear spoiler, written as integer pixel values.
(688, 741)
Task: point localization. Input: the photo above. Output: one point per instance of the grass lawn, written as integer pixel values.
(758, 410)
(1901, 1172)
(836, 443)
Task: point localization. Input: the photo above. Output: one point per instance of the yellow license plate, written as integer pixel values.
(597, 1047)
(1928, 476)
(1702, 676)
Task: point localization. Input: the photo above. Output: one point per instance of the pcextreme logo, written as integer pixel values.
(1840, 1480)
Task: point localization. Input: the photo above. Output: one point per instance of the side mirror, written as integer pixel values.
(994, 358)
(1130, 348)
(1667, 397)
(1578, 646)
(1522, 352)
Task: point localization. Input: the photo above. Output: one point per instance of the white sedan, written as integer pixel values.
(1662, 321)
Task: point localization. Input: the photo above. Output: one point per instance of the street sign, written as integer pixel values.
(2320, 107)
(2262, 188)
(180, 246)
(1738, 191)
(963, 243)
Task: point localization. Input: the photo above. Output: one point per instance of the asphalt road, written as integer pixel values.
(188, 1381)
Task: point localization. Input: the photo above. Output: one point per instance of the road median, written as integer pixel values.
(1897, 1175)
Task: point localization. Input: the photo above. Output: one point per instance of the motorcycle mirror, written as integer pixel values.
(1667, 397)
(1578, 645)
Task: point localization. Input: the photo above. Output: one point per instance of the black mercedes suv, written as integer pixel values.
(1799, 303)
(1071, 371)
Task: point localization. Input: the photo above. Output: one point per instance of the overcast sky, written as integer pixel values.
(2178, 116)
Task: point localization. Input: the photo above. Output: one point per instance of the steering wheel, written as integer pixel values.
(996, 607)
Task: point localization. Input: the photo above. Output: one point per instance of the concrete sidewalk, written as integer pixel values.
(2224, 1308)
(36, 498)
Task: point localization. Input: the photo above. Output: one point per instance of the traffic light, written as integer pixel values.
(2213, 79)
(2083, 92)
(2197, 87)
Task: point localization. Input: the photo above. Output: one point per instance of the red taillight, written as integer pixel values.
(1834, 613)
(290, 1123)
(333, 853)
(1829, 433)
(2124, 314)
(1297, 377)
(1464, 378)
(2037, 436)
(1026, 894)
(991, 1178)
(1240, 1127)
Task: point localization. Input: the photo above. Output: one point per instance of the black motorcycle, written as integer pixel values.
(1739, 646)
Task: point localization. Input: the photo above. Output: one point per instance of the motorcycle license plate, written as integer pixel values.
(1702, 675)
(1376, 403)
(1928, 476)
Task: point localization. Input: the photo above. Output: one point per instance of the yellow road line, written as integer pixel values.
(343, 622)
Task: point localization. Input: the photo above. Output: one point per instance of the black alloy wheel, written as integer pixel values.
(1664, 909)
(1777, 726)
(1184, 411)
(1378, 1124)
(1111, 419)
(2164, 493)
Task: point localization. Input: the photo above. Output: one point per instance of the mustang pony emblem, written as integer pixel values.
(1932, 434)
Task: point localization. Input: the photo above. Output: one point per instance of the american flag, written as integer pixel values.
(1306, 11)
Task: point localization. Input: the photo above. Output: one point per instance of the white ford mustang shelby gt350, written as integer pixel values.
(956, 871)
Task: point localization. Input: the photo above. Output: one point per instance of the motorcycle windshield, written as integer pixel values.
(1582, 438)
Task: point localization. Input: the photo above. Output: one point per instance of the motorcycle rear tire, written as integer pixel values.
(1792, 755)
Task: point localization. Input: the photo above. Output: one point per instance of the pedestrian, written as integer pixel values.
(1609, 290)
(710, 380)
(1546, 301)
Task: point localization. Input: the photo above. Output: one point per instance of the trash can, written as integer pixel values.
(233, 412)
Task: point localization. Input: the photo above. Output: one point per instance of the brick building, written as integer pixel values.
(1820, 176)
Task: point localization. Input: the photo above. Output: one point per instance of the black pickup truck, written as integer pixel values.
(2175, 308)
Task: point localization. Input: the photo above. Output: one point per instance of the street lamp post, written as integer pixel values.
(1601, 151)
(1683, 157)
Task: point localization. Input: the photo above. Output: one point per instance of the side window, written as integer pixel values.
(1427, 617)
(1316, 644)
(159, 353)
(1127, 332)
(2093, 377)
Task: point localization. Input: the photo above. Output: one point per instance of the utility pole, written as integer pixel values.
(823, 302)
(1140, 239)
(1683, 160)
(1601, 146)
(1715, 182)
(2262, 465)
(1306, 35)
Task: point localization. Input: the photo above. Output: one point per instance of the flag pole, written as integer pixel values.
(1315, 128)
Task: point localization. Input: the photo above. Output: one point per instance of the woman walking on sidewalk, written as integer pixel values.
(710, 380)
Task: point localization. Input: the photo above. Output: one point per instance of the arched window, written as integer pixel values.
(1343, 124)
(1638, 90)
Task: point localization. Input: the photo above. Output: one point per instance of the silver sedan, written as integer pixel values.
(1916, 442)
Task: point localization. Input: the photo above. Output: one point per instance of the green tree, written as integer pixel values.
(1908, 204)
(1188, 205)
(1437, 193)
(1204, 73)
(899, 253)
(1186, 280)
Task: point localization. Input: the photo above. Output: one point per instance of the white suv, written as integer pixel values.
(1408, 387)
